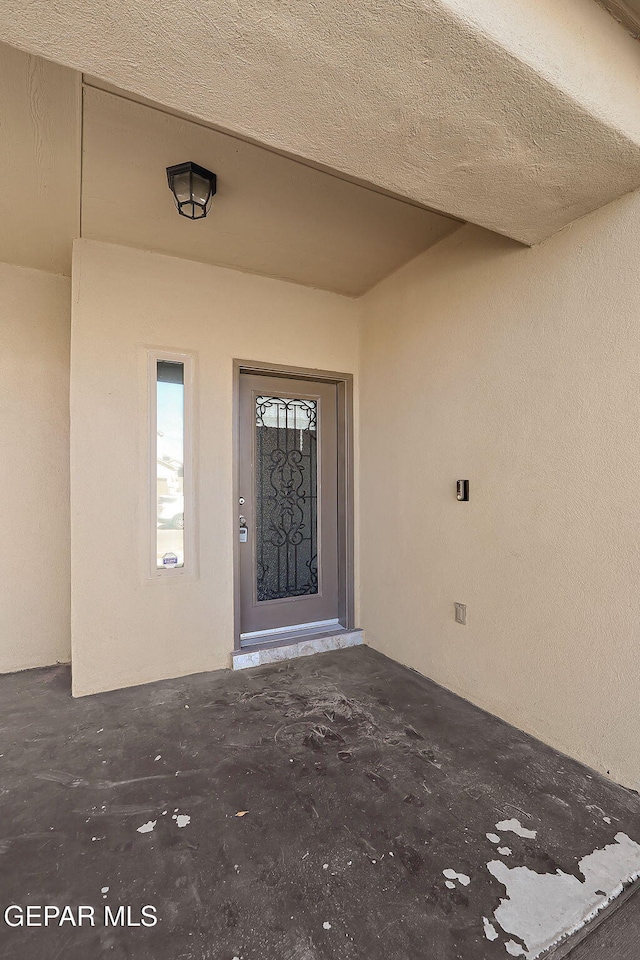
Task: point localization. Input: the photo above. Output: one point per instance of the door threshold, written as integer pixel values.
(289, 647)
(289, 634)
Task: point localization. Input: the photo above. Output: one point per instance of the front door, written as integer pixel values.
(288, 509)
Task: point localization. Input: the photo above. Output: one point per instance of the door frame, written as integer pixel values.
(344, 390)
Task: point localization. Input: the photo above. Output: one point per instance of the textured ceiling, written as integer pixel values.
(518, 116)
(271, 215)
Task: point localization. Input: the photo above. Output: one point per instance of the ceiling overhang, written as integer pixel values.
(271, 215)
(626, 12)
(518, 117)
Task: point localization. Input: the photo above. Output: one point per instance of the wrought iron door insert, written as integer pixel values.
(286, 498)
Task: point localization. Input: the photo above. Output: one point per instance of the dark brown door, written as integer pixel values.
(288, 510)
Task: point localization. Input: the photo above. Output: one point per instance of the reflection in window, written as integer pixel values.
(170, 464)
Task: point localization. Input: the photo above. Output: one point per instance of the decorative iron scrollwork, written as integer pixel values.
(286, 498)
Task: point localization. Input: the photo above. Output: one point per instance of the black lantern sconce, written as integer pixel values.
(193, 188)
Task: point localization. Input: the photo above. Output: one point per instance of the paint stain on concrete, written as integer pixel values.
(147, 827)
(460, 877)
(490, 931)
(515, 949)
(542, 909)
(514, 826)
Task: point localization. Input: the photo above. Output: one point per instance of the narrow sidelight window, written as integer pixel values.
(170, 446)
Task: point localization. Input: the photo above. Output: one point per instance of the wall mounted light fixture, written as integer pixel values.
(193, 188)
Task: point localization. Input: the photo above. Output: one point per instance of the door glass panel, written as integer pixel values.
(286, 498)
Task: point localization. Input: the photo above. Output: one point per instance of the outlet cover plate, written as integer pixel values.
(461, 612)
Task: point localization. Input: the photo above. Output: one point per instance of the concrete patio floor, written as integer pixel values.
(338, 806)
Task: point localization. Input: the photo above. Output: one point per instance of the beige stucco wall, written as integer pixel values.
(34, 440)
(518, 369)
(126, 628)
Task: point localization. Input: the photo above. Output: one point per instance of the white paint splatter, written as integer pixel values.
(515, 949)
(490, 931)
(493, 837)
(607, 819)
(542, 909)
(159, 757)
(182, 819)
(505, 851)
(514, 826)
(449, 884)
(325, 866)
(461, 877)
(147, 827)
(104, 890)
(326, 925)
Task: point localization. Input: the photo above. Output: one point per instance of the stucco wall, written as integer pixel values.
(126, 628)
(34, 441)
(520, 370)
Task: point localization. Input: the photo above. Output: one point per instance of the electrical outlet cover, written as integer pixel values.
(461, 612)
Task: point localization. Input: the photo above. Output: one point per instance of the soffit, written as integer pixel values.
(520, 117)
(271, 215)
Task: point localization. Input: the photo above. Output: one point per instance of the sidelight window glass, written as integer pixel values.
(170, 464)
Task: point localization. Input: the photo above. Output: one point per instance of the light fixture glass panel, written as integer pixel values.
(201, 188)
(182, 186)
(170, 464)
